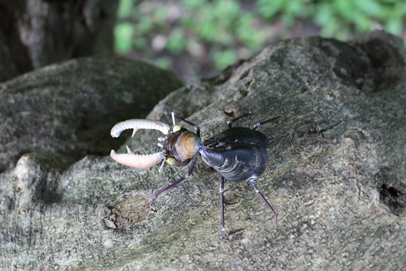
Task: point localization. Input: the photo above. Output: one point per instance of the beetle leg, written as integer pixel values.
(223, 229)
(185, 121)
(230, 122)
(252, 180)
(189, 172)
(265, 121)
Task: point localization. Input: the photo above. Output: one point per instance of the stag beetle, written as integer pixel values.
(237, 154)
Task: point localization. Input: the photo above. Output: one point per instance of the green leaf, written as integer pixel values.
(193, 4)
(161, 14)
(208, 30)
(125, 7)
(346, 9)
(323, 14)
(163, 63)
(144, 26)
(225, 58)
(295, 8)
(269, 8)
(363, 23)
(124, 34)
(394, 26)
(176, 41)
(371, 8)
(229, 8)
(140, 42)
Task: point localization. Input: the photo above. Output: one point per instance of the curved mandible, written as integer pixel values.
(135, 160)
(136, 124)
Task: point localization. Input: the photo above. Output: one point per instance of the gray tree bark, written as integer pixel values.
(336, 172)
(68, 108)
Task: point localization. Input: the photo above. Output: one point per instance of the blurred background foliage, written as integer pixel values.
(202, 37)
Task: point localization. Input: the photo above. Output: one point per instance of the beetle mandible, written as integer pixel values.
(237, 154)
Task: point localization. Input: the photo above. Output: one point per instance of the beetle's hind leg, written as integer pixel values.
(263, 198)
(265, 121)
(223, 229)
(189, 172)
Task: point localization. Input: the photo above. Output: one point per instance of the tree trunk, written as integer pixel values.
(36, 33)
(336, 172)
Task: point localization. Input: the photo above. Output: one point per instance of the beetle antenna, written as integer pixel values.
(173, 119)
(185, 121)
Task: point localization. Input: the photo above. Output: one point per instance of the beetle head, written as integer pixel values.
(180, 145)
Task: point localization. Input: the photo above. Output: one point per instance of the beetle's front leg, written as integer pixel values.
(223, 229)
(189, 172)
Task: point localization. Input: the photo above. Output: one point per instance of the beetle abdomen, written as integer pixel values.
(237, 153)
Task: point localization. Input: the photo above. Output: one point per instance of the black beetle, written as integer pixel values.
(237, 154)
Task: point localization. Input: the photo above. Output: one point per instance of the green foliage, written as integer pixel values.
(163, 63)
(176, 41)
(124, 35)
(224, 58)
(337, 18)
(125, 8)
(224, 25)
